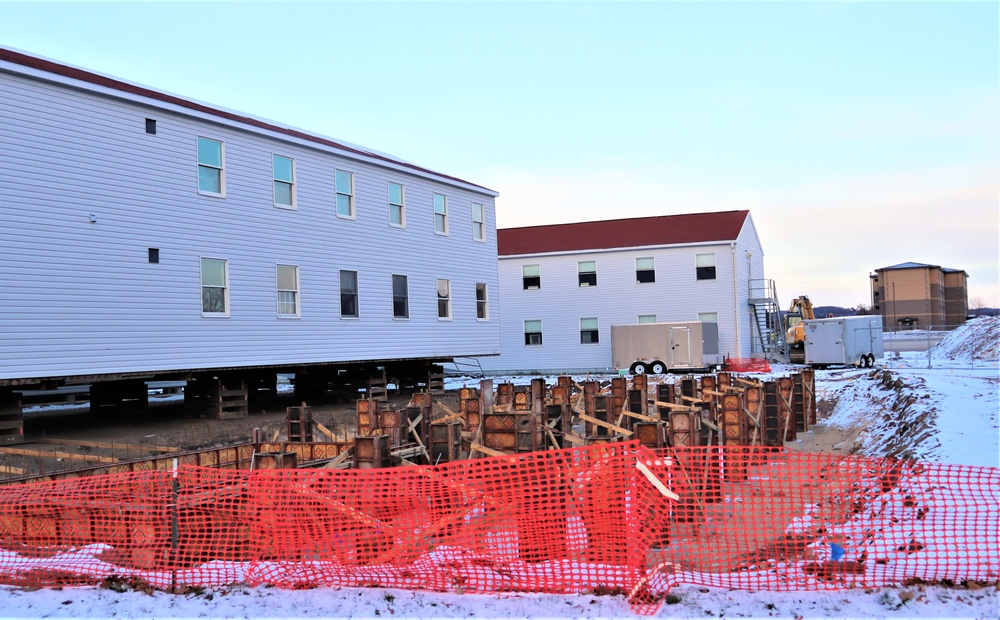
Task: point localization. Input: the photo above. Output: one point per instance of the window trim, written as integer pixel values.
(698, 268)
(221, 168)
(296, 291)
(596, 331)
(479, 226)
(580, 274)
(651, 270)
(639, 321)
(447, 299)
(401, 205)
(293, 185)
(357, 294)
(225, 287)
(352, 214)
(484, 302)
(524, 284)
(406, 299)
(541, 340)
(444, 215)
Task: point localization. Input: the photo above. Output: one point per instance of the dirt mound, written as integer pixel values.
(978, 339)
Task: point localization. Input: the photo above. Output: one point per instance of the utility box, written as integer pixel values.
(656, 348)
(844, 340)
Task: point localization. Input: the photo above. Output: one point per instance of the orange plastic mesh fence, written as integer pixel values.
(614, 518)
(748, 364)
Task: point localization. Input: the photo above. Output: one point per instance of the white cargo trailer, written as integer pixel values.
(845, 340)
(662, 347)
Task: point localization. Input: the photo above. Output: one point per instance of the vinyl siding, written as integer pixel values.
(81, 298)
(617, 299)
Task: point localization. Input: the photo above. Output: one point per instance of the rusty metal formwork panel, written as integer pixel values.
(619, 395)
(372, 452)
(391, 424)
(685, 428)
(640, 382)
(522, 398)
(709, 382)
(530, 434)
(733, 422)
(651, 434)
(590, 390)
(603, 439)
(274, 460)
(470, 405)
(723, 379)
(486, 393)
(785, 416)
(600, 410)
(499, 432)
(538, 397)
(809, 385)
(299, 424)
(752, 415)
(770, 420)
(799, 412)
(689, 387)
(369, 417)
(562, 391)
(504, 395)
(446, 442)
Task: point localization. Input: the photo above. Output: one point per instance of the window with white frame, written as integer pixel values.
(478, 222)
(287, 277)
(214, 287)
(531, 276)
(646, 318)
(589, 331)
(705, 266)
(440, 214)
(533, 333)
(482, 302)
(345, 193)
(444, 299)
(645, 271)
(349, 294)
(211, 167)
(400, 297)
(284, 181)
(397, 210)
(587, 273)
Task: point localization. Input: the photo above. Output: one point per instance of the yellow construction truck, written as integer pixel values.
(800, 310)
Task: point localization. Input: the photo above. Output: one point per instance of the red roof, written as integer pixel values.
(126, 87)
(628, 233)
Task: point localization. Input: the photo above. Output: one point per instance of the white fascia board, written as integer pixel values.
(402, 166)
(631, 248)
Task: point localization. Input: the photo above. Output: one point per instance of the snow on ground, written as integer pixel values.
(945, 414)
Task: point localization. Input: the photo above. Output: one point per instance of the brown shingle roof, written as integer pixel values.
(632, 232)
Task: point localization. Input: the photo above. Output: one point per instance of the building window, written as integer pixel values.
(284, 181)
(400, 297)
(482, 302)
(214, 287)
(478, 222)
(587, 273)
(646, 318)
(531, 276)
(211, 167)
(345, 193)
(288, 290)
(589, 332)
(532, 333)
(397, 212)
(444, 299)
(645, 273)
(440, 214)
(705, 266)
(348, 294)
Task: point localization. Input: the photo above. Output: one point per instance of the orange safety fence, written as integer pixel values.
(610, 518)
(748, 364)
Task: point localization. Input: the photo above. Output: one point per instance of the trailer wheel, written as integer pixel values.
(871, 360)
(638, 368)
(657, 368)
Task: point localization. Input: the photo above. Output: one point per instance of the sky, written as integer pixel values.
(858, 134)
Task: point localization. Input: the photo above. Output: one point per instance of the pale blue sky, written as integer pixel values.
(859, 135)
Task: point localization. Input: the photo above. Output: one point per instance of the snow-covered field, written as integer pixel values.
(941, 414)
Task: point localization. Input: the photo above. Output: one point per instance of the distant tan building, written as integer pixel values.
(918, 295)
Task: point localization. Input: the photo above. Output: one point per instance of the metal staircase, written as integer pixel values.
(767, 335)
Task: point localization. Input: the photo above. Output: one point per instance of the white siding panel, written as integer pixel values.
(81, 298)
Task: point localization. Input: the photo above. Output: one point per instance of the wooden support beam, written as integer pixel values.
(692, 399)
(326, 431)
(674, 406)
(710, 425)
(747, 382)
(66, 456)
(340, 460)
(608, 425)
(713, 393)
(552, 437)
(639, 416)
(488, 451)
(450, 412)
(10, 469)
(574, 439)
(450, 418)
